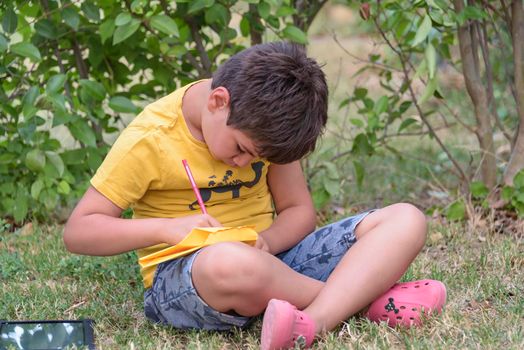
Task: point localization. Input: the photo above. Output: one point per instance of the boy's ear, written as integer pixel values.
(218, 98)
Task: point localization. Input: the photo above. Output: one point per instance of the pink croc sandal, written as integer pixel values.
(405, 303)
(284, 327)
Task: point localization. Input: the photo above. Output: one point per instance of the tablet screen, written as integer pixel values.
(42, 335)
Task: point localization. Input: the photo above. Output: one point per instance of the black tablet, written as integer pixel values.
(46, 335)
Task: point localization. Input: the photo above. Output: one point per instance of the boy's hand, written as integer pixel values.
(262, 244)
(176, 229)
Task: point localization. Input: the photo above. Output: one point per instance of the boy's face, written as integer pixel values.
(225, 143)
(230, 146)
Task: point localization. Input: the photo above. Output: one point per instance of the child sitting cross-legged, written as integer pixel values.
(244, 131)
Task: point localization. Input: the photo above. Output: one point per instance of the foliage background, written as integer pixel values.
(71, 72)
(74, 73)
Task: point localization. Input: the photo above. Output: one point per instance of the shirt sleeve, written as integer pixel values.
(130, 168)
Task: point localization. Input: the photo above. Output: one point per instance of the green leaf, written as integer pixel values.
(475, 13)
(83, 133)
(217, 14)
(26, 50)
(6, 158)
(164, 24)
(263, 9)
(91, 11)
(138, 5)
(63, 187)
(123, 19)
(27, 130)
(507, 193)
(406, 123)
(125, 31)
(198, 5)
(320, 198)
(58, 102)
(50, 199)
(244, 26)
(106, 30)
(122, 104)
(57, 162)
(518, 180)
(404, 106)
(61, 117)
(332, 186)
(478, 189)
(331, 170)
(46, 28)
(431, 59)
(295, 34)
(75, 156)
(36, 188)
(429, 91)
(9, 21)
(360, 93)
(520, 209)
(357, 122)
(93, 89)
(423, 31)
(361, 145)
(456, 211)
(71, 17)
(274, 22)
(381, 105)
(55, 83)
(30, 96)
(402, 27)
(21, 207)
(359, 172)
(94, 159)
(3, 43)
(284, 11)
(35, 160)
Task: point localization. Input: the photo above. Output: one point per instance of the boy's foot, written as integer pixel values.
(406, 303)
(284, 327)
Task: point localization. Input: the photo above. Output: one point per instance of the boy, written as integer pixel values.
(243, 132)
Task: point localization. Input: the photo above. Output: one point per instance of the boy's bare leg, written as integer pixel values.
(388, 240)
(234, 276)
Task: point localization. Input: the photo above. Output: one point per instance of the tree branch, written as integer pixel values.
(516, 161)
(478, 96)
(80, 63)
(483, 41)
(422, 115)
(67, 89)
(197, 38)
(256, 36)
(306, 12)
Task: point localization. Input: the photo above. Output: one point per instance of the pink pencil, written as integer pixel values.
(194, 187)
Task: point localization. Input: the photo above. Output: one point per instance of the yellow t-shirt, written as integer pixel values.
(144, 170)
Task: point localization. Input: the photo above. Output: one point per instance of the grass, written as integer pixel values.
(483, 270)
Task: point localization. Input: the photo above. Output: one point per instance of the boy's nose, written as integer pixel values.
(243, 159)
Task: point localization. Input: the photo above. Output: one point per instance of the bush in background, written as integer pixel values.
(73, 69)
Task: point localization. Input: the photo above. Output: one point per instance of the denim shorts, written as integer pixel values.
(173, 299)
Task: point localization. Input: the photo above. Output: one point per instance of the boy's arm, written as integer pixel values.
(95, 228)
(295, 211)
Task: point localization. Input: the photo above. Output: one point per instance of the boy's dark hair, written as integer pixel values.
(278, 97)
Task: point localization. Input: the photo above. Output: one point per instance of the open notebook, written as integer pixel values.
(198, 238)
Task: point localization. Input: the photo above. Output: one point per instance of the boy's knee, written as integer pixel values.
(230, 266)
(413, 220)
